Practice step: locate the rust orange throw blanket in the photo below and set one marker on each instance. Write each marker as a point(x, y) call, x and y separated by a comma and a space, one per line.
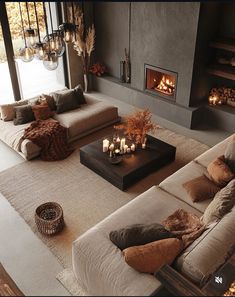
point(184, 225)
point(51, 137)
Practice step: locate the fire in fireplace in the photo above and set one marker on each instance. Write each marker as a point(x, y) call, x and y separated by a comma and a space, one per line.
point(160, 81)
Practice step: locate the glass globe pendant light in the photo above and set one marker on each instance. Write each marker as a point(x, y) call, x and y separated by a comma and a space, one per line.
point(27, 53)
point(67, 28)
point(50, 58)
point(40, 47)
point(30, 34)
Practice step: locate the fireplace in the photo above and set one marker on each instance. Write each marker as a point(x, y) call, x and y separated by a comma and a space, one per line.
point(161, 82)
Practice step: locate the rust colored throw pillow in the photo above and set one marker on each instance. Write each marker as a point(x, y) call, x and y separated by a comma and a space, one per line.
point(220, 172)
point(150, 257)
point(201, 188)
point(42, 111)
point(50, 101)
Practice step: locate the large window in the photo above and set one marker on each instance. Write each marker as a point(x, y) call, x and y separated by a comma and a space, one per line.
point(32, 77)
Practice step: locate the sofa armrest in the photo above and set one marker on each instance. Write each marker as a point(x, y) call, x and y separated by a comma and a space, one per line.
point(176, 283)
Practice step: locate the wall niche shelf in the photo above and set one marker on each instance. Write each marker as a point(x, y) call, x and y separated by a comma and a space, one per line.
point(223, 70)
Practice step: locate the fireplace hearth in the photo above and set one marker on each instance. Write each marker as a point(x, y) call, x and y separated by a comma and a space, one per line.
point(160, 82)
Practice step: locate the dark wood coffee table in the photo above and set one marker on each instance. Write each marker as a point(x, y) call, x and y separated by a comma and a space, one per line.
point(133, 167)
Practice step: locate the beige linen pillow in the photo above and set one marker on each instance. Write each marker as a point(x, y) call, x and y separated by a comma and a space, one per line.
point(152, 256)
point(220, 172)
point(222, 203)
point(7, 111)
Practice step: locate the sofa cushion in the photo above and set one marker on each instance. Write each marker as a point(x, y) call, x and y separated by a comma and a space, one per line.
point(150, 257)
point(229, 155)
point(216, 151)
point(50, 101)
point(93, 251)
point(87, 117)
point(223, 201)
point(138, 234)
point(201, 188)
point(219, 171)
point(79, 95)
point(23, 114)
point(7, 111)
point(65, 101)
point(174, 184)
point(208, 252)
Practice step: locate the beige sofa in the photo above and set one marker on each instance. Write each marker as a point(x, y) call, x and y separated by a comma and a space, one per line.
point(99, 265)
point(82, 121)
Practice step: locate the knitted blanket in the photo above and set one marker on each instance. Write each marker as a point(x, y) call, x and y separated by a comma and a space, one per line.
point(184, 225)
point(51, 137)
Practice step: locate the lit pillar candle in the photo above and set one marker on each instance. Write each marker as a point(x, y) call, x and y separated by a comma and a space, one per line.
point(105, 145)
point(133, 147)
point(128, 150)
point(125, 148)
point(122, 144)
point(111, 147)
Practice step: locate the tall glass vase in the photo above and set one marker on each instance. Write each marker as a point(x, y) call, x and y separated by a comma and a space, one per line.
point(87, 82)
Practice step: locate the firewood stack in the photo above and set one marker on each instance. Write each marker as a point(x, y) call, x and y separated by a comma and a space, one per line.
point(225, 95)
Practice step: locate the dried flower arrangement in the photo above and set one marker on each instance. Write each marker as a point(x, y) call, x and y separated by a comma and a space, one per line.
point(84, 44)
point(137, 125)
point(98, 69)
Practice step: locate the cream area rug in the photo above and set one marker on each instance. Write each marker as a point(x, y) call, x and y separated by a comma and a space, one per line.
point(86, 198)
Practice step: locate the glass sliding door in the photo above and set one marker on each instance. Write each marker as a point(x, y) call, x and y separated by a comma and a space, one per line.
point(6, 92)
point(33, 78)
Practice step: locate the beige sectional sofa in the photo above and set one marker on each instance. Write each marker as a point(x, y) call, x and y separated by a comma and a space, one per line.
point(82, 121)
point(99, 265)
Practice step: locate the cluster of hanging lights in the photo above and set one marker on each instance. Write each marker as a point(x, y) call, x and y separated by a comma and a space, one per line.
point(53, 44)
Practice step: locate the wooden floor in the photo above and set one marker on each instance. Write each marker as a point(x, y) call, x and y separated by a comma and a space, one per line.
point(7, 285)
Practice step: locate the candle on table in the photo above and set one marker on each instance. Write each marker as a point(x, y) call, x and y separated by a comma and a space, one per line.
point(122, 144)
point(125, 148)
point(143, 145)
point(117, 151)
point(111, 147)
point(133, 147)
point(105, 145)
point(118, 139)
point(128, 150)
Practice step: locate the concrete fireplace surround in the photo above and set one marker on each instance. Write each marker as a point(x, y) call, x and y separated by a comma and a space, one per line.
point(173, 36)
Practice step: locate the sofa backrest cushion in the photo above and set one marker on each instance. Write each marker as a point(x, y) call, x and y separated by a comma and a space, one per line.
point(219, 171)
point(42, 111)
point(7, 111)
point(23, 114)
point(138, 234)
point(209, 251)
point(229, 155)
point(222, 203)
point(150, 257)
point(65, 100)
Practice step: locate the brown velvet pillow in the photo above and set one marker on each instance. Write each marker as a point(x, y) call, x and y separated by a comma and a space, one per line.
point(220, 172)
point(150, 257)
point(42, 111)
point(23, 114)
point(201, 188)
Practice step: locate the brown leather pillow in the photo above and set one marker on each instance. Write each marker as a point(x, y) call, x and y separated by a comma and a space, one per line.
point(152, 256)
point(220, 172)
point(201, 188)
point(42, 111)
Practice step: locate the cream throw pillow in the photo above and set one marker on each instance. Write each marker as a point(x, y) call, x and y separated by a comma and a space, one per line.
point(7, 111)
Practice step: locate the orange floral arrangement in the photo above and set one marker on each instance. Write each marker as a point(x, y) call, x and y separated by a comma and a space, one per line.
point(98, 69)
point(137, 125)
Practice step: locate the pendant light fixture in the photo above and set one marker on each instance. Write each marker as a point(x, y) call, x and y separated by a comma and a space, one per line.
point(55, 39)
point(30, 33)
point(67, 28)
point(40, 47)
point(50, 59)
point(27, 53)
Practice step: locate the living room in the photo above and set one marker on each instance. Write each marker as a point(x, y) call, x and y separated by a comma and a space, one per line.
point(117, 169)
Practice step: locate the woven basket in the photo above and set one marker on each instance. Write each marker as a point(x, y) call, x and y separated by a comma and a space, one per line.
point(49, 218)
